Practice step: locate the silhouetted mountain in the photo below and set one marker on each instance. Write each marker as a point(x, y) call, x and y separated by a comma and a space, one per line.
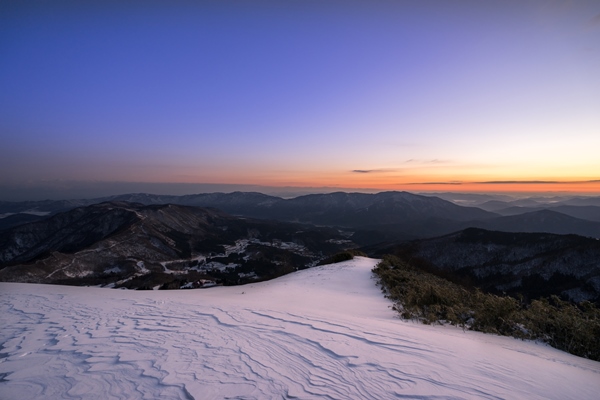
point(335, 209)
point(533, 264)
point(541, 221)
point(242, 203)
point(469, 199)
point(44, 206)
point(582, 201)
point(540, 202)
point(365, 210)
point(495, 205)
point(373, 217)
point(132, 244)
point(18, 219)
point(237, 202)
point(590, 213)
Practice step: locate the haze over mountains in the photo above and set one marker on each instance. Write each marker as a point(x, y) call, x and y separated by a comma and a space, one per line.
point(575, 206)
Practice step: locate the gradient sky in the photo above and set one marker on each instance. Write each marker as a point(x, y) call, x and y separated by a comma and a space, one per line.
point(392, 95)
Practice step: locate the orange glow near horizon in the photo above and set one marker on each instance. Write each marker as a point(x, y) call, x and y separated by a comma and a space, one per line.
point(512, 187)
point(418, 179)
point(311, 96)
point(411, 180)
point(384, 182)
point(516, 187)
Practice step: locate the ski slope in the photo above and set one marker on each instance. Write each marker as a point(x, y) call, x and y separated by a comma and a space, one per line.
point(325, 332)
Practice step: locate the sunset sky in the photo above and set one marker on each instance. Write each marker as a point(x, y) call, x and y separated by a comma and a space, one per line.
point(389, 95)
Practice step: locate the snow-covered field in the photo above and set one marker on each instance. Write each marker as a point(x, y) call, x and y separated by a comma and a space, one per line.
point(325, 332)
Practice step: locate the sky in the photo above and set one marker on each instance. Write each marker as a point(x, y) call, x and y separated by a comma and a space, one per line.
point(484, 96)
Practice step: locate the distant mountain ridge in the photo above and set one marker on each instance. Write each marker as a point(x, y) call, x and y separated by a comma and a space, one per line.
point(590, 213)
point(350, 210)
point(496, 205)
point(125, 243)
point(18, 219)
point(493, 202)
point(339, 208)
point(541, 221)
point(373, 217)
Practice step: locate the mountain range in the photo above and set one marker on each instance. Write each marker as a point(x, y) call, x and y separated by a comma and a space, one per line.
point(149, 241)
point(590, 213)
point(372, 217)
point(138, 246)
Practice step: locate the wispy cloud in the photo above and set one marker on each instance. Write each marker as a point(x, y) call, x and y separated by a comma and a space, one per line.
point(505, 182)
point(436, 183)
point(371, 171)
point(517, 182)
point(534, 182)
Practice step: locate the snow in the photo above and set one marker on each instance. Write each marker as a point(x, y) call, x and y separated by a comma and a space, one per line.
point(241, 245)
point(141, 268)
point(203, 263)
point(325, 332)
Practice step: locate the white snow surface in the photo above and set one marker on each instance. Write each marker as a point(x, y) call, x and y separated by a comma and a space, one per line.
point(326, 332)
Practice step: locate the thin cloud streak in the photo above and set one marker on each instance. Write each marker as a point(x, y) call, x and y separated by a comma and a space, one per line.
point(506, 182)
point(535, 182)
point(371, 171)
point(435, 183)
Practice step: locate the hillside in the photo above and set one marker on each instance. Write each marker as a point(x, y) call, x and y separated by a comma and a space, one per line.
point(325, 332)
point(532, 264)
point(137, 246)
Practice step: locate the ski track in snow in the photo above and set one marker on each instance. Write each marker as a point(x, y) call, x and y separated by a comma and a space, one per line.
point(326, 333)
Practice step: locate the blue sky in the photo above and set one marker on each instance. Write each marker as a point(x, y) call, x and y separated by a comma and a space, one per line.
point(300, 93)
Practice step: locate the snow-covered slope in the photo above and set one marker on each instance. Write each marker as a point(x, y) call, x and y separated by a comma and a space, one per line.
point(326, 332)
